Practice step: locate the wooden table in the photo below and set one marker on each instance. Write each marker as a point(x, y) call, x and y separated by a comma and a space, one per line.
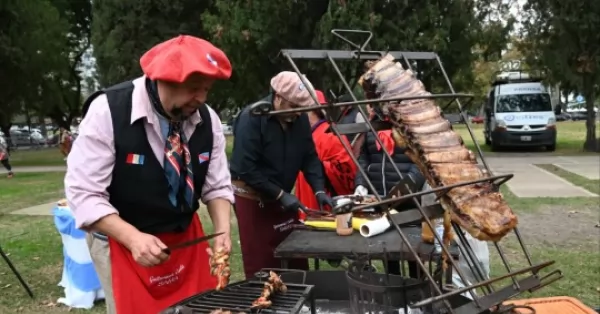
point(328, 245)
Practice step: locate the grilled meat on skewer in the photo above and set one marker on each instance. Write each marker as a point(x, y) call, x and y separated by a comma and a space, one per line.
point(219, 264)
point(220, 311)
point(272, 285)
point(438, 152)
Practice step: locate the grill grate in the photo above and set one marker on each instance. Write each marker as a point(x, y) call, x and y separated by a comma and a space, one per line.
point(238, 297)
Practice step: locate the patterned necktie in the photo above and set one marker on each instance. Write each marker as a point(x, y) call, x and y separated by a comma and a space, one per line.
point(177, 157)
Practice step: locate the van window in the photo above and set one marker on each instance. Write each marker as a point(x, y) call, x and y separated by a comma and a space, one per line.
point(524, 103)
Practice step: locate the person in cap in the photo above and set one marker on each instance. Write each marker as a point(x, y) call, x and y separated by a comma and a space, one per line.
point(338, 167)
point(147, 150)
point(383, 176)
point(268, 153)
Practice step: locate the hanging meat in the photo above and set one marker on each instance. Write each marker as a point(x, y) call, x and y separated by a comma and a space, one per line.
point(273, 285)
point(219, 267)
point(438, 151)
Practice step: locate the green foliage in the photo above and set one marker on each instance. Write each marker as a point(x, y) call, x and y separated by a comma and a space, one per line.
point(564, 38)
point(31, 45)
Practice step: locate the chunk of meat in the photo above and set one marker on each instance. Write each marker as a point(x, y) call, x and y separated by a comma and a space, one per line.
point(438, 152)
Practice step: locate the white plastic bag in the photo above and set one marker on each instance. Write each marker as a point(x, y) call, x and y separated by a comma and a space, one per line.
point(480, 251)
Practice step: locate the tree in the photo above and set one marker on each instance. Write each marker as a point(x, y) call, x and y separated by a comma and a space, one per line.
point(122, 30)
point(66, 85)
point(252, 33)
point(31, 43)
point(564, 38)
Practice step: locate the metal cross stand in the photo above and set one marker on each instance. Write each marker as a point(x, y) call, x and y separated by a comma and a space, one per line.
point(16, 272)
point(493, 291)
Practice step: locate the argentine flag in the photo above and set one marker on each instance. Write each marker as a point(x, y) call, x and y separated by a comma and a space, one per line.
point(79, 278)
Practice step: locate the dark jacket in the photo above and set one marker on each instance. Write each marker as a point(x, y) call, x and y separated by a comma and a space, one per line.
point(268, 158)
point(381, 172)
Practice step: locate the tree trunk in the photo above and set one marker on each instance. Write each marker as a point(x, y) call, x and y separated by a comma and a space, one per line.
point(591, 143)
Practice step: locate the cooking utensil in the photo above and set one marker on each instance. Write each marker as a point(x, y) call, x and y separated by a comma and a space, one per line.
point(191, 242)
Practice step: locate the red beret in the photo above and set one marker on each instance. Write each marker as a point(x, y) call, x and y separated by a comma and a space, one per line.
point(175, 59)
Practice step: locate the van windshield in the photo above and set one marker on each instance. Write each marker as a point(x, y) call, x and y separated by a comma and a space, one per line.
point(523, 103)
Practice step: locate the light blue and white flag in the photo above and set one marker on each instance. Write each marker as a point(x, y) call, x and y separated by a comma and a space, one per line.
point(79, 278)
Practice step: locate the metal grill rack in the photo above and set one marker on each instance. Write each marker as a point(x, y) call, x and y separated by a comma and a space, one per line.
point(490, 295)
point(238, 298)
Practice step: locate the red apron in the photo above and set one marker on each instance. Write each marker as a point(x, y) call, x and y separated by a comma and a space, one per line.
point(149, 290)
point(339, 167)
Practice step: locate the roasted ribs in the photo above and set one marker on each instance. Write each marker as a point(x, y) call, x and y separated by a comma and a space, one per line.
point(219, 267)
point(438, 151)
point(273, 285)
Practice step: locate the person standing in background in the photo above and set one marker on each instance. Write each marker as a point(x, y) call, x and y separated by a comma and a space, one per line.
point(268, 153)
point(383, 176)
point(338, 167)
point(4, 157)
point(64, 141)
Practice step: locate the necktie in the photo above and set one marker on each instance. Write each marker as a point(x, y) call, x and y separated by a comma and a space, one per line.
point(178, 166)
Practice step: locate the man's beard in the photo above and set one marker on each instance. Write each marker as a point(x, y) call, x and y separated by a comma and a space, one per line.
point(178, 114)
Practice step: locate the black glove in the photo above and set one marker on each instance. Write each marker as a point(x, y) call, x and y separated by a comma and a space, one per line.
point(323, 199)
point(290, 203)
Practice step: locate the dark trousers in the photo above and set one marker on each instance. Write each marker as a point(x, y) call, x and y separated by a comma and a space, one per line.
point(6, 165)
point(262, 229)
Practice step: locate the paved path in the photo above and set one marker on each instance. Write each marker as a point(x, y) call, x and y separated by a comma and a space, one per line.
point(585, 166)
point(532, 181)
point(37, 210)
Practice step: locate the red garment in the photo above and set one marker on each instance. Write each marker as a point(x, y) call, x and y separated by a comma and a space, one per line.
point(339, 168)
point(177, 58)
point(149, 290)
point(262, 229)
point(387, 140)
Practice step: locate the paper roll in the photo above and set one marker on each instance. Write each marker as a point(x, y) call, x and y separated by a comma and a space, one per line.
point(374, 227)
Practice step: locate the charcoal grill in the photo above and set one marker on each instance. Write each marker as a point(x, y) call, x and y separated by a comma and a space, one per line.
point(494, 291)
point(238, 297)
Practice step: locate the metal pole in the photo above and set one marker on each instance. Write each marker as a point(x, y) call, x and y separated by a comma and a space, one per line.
point(16, 272)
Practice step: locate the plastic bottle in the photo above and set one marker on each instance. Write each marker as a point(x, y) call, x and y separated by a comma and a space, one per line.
point(438, 225)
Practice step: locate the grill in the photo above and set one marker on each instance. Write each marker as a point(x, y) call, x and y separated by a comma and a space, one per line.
point(238, 297)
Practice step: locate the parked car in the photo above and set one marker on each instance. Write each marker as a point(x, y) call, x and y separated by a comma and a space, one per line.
point(563, 117)
point(578, 115)
point(25, 138)
point(477, 120)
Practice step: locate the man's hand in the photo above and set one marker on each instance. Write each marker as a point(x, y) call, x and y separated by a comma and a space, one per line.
point(147, 250)
point(361, 190)
point(290, 203)
point(222, 241)
point(323, 199)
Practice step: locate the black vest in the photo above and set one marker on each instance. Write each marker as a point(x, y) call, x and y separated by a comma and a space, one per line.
point(139, 190)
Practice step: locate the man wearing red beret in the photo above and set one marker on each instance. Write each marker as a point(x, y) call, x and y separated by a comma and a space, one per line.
point(339, 169)
point(268, 153)
point(147, 150)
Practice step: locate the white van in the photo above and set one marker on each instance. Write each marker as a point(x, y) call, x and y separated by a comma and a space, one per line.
point(519, 112)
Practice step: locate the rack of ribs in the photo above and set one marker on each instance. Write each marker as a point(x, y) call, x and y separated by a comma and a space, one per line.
point(438, 151)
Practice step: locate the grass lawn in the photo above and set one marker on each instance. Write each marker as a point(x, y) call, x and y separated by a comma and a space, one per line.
point(50, 156)
point(559, 229)
point(570, 137)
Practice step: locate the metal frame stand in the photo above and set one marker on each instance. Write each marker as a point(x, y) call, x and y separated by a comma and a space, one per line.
point(492, 296)
point(16, 272)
